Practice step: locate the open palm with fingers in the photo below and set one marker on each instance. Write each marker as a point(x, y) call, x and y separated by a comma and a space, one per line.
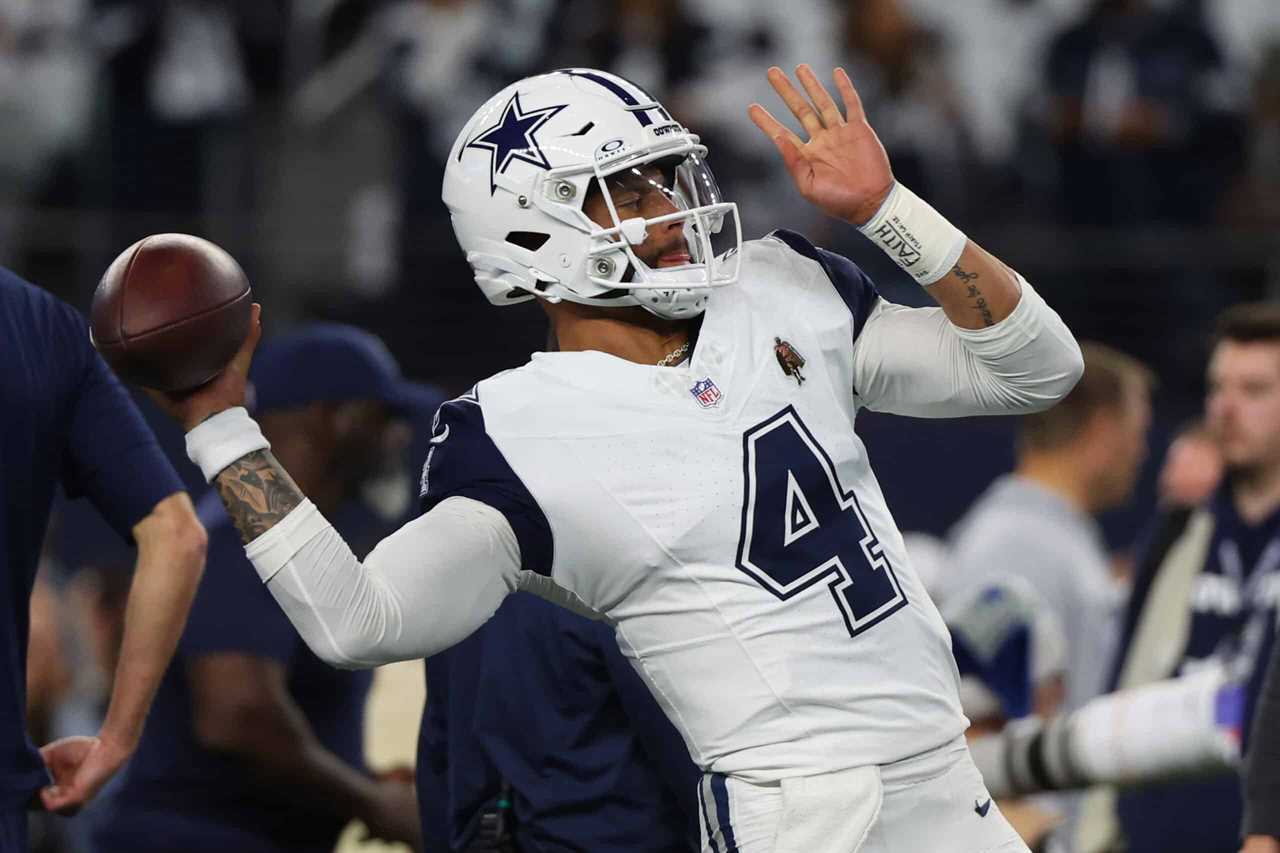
point(842, 168)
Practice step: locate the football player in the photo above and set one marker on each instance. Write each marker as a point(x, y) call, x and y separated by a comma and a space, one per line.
point(669, 471)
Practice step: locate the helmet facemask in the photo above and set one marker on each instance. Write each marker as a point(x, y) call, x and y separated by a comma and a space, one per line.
point(643, 193)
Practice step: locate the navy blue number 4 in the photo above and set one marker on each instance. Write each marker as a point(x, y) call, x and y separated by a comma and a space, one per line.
point(801, 527)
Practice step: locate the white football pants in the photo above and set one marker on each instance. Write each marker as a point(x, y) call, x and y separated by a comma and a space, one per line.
point(931, 803)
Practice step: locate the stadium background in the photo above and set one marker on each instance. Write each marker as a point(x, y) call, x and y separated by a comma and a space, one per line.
point(1131, 172)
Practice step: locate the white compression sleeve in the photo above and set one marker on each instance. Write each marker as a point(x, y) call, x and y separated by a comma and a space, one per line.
point(914, 361)
point(424, 588)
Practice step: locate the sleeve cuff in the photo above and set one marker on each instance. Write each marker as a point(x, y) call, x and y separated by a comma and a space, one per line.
point(272, 550)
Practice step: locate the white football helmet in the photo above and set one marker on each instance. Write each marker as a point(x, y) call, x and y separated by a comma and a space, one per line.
point(522, 167)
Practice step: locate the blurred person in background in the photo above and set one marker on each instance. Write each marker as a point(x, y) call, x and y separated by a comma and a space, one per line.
point(1207, 597)
point(906, 92)
point(1140, 116)
point(1191, 472)
point(1255, 197)
point(658, 44)
point(47, 101)
point(66, 419)
point(184, 81)
point(540, 736)
point(1261, 827)
point(1075, 460)
point(741, 36)
point(1030, 552)
point(991, 53)
point(1192, 468)
point(1244, 28)
point(418, 67)
point(254, 744)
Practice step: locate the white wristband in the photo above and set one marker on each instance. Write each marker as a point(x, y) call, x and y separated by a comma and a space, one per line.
point(222, 439)
point(915, 236)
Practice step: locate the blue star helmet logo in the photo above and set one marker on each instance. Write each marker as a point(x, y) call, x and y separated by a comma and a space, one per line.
point(512, 138)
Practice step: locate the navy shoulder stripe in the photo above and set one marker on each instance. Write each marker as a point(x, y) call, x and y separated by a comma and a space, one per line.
point(464, 462)
point(853, 285)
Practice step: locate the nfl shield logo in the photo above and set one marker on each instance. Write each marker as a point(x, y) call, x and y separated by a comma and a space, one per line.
point(706, 393)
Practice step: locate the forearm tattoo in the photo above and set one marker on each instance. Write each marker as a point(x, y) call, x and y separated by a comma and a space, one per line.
point(257, 492)
point(979, 301)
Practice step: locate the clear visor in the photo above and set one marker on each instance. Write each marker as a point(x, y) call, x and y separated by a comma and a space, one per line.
point(671, 221)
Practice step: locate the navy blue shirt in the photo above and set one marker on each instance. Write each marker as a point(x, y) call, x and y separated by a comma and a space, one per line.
point(1233, 616)
point(542, 698)
point(177, 795)
point(64, 419)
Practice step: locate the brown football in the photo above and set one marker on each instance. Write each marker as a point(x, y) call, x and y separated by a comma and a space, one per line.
point(171, 311)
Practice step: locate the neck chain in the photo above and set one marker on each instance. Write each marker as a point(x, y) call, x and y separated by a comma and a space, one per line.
point(675, 356)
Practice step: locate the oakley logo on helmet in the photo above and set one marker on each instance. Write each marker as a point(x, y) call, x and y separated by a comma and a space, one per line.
point(512, 138)
point(612, 148)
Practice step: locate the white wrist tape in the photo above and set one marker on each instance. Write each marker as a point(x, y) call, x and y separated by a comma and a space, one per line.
point(915, 236)
point(222, 439)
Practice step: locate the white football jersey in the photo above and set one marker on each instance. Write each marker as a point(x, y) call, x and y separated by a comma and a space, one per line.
point(724, 516)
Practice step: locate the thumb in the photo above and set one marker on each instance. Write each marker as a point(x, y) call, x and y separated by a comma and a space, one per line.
point(64, 799)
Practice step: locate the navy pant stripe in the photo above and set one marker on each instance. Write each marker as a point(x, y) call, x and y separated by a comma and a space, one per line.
point(721, 793)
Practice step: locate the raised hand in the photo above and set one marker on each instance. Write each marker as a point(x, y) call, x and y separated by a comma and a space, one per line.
point(842, 169)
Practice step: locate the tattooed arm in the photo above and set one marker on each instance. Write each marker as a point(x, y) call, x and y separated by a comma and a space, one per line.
point(257, 493)
point(422, 589)
point(979, 291)
point(990, 349)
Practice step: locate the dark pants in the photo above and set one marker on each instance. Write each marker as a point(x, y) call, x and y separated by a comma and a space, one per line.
point(13, 831)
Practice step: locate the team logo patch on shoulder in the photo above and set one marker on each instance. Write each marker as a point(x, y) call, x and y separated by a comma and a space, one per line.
point(706, 393)
point(789, 359)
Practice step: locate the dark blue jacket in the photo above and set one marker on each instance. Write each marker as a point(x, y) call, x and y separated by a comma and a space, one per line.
point(543, 698)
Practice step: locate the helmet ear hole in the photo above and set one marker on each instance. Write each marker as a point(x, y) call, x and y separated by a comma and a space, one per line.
point(531, 240)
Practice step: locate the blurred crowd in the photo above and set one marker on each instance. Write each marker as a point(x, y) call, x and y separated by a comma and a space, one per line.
point(1123, 154)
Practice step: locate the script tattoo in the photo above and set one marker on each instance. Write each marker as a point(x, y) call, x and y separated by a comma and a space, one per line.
point(979, 301)
point(257, 492)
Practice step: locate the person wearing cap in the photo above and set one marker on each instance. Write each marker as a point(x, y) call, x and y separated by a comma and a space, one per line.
point(254, 744)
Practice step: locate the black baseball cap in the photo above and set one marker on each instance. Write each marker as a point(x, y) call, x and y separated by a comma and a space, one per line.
point(333, 362)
